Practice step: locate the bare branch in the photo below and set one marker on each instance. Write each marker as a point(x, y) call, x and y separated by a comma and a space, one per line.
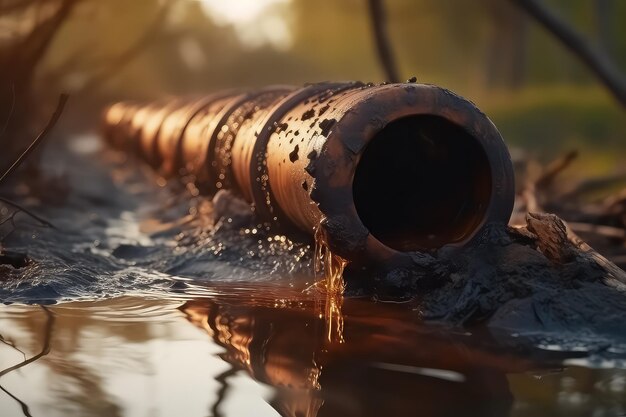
point(594, 58)
point(554, 169)
point(381, 37)
point(27, 212)
point(53, 120)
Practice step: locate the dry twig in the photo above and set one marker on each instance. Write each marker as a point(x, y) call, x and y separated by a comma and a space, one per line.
point(35, 143)
point(27, 212)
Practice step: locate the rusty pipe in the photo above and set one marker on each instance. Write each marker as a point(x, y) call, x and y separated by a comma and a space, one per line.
point(383, 170)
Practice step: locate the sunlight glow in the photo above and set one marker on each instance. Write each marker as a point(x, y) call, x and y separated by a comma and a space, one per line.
point(256, 22)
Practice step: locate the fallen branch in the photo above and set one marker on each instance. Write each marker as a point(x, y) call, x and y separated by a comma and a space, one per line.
point(554, 169)
point(558, 242)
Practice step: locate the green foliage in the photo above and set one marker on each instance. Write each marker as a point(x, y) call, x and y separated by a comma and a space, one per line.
point(549, 122)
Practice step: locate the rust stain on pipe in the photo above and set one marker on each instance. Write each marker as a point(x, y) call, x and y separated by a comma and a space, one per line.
point(382, 169)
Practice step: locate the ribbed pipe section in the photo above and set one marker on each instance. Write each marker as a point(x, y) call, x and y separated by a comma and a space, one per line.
point(382, 169)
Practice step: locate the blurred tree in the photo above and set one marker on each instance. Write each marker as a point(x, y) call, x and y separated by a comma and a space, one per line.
point(29, 28)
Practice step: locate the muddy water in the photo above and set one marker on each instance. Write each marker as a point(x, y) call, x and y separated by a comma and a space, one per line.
point(240, 354)
point(138, 305)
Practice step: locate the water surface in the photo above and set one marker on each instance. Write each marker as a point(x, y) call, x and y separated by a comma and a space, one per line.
point(141, 303)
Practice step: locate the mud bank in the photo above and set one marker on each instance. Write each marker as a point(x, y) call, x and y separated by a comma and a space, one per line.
point(530, 280)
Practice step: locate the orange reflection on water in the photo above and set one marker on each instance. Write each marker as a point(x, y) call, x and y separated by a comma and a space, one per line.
point(135, 357)
point(385, 365)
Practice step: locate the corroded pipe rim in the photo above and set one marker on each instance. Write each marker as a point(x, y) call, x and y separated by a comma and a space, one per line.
point(334, 168)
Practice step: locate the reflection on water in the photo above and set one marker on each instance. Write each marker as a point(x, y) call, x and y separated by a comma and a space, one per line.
point(241, 352)
point(103, 361)
point(384, 367)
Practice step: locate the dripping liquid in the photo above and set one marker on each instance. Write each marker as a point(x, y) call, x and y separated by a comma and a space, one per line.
point(332, 286)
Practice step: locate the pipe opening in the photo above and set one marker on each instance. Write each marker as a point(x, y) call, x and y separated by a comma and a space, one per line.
point(422, 182)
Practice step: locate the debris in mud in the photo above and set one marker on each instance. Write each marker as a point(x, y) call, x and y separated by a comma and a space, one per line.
point(532, 278)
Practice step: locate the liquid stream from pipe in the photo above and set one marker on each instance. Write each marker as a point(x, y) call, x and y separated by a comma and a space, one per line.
point(332, 286)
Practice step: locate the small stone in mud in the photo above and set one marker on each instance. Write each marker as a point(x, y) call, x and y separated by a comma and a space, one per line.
point(293, 156)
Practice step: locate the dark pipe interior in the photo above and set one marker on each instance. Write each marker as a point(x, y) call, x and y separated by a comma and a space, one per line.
point(422, 182)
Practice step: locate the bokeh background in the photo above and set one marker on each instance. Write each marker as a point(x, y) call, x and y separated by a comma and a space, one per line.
point(541, 97)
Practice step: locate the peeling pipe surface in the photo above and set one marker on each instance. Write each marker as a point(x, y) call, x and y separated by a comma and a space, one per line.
point(383, 170)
